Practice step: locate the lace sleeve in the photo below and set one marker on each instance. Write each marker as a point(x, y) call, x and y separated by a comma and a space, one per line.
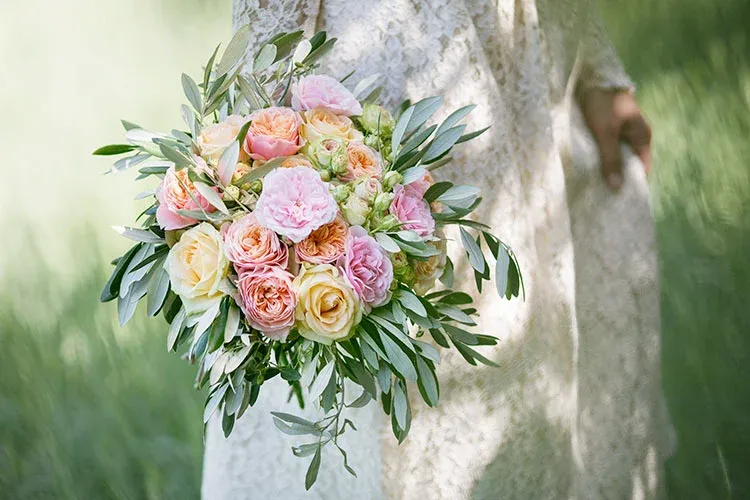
point(601, 67)
point(270, 17)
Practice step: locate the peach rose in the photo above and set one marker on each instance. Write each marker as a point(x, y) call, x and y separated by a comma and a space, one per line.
point(296, 161)
point(268, 301)
point(177, 192)
point(324, 245)
point(273, 132)
point(249, 245)
point(214, 139)
point(319, 122)
point(363, 161)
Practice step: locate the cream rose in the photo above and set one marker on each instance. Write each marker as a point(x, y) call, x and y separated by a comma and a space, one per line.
point(197, 267)
point(214, 139)
point(328, 308)
point(319, 123)
point(428, 271)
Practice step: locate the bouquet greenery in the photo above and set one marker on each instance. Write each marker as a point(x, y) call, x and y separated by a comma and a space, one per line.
point(296, 231)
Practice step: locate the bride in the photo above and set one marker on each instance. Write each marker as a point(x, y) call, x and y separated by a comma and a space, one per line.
point(576, 411)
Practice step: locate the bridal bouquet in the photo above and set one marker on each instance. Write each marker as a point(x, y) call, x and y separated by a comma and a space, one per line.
point(296, 231)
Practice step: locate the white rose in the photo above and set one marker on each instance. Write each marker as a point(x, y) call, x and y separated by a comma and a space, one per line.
point(367, 188)
point(197, 267)
point(214, 139)
point(355, 210)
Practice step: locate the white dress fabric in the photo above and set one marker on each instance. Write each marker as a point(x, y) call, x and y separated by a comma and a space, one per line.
point(576, 409)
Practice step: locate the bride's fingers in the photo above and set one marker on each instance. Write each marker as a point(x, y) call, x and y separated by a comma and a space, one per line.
point(611, 156)
point(637, 133)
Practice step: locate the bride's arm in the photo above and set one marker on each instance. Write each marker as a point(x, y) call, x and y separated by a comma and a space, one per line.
point(269, 17)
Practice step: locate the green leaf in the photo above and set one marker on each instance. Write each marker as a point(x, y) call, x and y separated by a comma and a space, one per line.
point(228, 163)
point(413, 174)
point(456, 299)
point(219, 324)
point(235, 51)
point(312, 470)
point(416, 140)
point(411, 302)
point(127, 304)
point(302, 51)
point(502, 268)
point(157, 291)
point(442, 143)
point(293, 419)
point(180, 159)
point(472, 135)
point(423, 110)
point(361, 401)
point(476, 259)
point(211, 196)
point(459, 193)
point(455, 314)
point(234, 399)
point(111, 289)
point(427, 383)
point(290, 374)
point(363, 378)
point(398, 358)
point(388, 244)
point(285, 42)
point(400, 128)
point(233, 322)
point(436, 190)
point(213, 402)
point(265, 58)
point(455, 117)
point(319, 52)
point(458, 335)
point(188, 116)
point(400, 404)
point(136, 234)
point(113, 149)
point(322, 380)
point(209, 67)
point(305, 450)
point(192, 92)
point(175, 328)
point(131, 276)
point(129, 125)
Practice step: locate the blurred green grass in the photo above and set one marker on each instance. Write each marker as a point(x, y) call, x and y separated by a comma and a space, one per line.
point(92, 410)
point(691, 61)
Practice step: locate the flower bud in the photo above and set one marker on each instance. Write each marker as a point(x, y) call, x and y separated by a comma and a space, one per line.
point(325, 175)
point(338, 162)
point(391, 179)
point(256, 186)
point(355, 211)
point(367, 188)
point(382, 202)
point(231, 193)
point(327, 150)
point(402, 271)
point(376, 119)
point(341, 193)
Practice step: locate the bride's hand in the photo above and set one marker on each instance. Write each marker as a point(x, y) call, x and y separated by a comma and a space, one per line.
point(614, 116)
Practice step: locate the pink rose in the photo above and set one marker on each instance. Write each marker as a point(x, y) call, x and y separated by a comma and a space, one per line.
point(173, 196)
point(412, 211)
point(322, 91)
point(295, 202)
point(362, 161)
point(367, 267)
point(249, 245)
point(420, 186)
point(268, 300)
point(273, 132)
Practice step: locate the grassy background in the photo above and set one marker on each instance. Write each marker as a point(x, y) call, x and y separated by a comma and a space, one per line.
point(92, 410)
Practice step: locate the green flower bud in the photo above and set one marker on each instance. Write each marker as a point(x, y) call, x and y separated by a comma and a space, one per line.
point(376, 119)
point(341, 193)
point(355, 211)
point(327, 152)
point(325, 175)
point(402, 271)
point(339, 160)
point(231, 193)
point(256, 186)
point(391, 179)
point(382, 202)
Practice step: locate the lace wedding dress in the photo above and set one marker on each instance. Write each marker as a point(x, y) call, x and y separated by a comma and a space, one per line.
point(576, 410)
